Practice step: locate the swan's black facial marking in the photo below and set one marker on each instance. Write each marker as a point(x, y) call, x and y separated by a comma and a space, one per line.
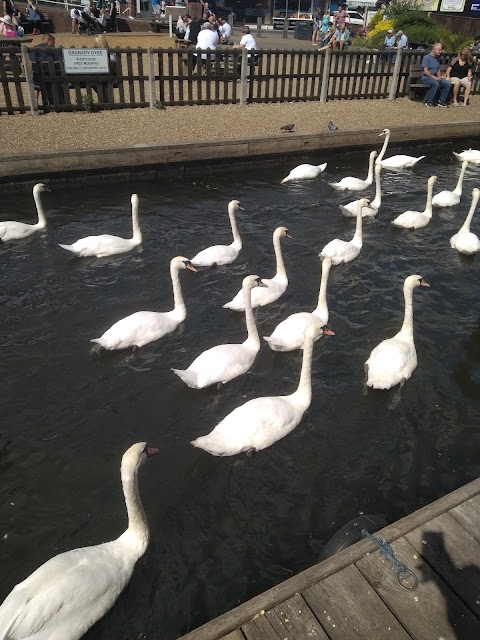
point(189, 265)
point(287, 234)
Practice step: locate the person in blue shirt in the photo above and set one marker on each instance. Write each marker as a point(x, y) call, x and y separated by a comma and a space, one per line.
point(389, 40)
point(431, 77)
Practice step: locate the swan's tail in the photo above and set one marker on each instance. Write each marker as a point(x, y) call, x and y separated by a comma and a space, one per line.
point(457, 155)
point(322, 167)
point(287, 179)
point(420, 158)
point(67, 247)
point(189, 377)
point(215, 445)
point(335, 185)
point(346, 212)
point(275, 344)
point(95, 350)
point(233, 306)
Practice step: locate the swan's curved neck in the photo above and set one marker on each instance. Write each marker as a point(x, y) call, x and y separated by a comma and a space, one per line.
point(384, 148)
point(277, 245)
point(407, 326)
point(303, 395)
point(371, 164)
point(468, 219)
point(322, 307)
point(137, 535)
point(252, 331)
point(137, 234)
point(42, 222)
point(377, 201)
point(177, 291)
point(428, 207)
point(357, 238)
point(458, 189)
point(237, 241)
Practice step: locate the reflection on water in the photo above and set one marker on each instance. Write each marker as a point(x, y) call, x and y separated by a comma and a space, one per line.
point(226, 529)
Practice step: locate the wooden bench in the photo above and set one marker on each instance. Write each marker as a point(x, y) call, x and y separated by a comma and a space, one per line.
point(180, 43)
point(157, 26)
point(415, 87)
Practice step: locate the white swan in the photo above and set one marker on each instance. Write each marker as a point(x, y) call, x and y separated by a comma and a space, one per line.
point(143, 327)
point(222, 253)
point(275, 287)
point(471, 155)
point(225, 362)
point(290, 333)
point(107, 245)
point(417, 219)
point(305, 172)
point(260, 422)
point(451, 198)
point(395, 162)
point(465, 241)
point(11, 230)
point(394, 360)
point(355, 184)
point(64, 597)
point(341, 251)
point(350, 210)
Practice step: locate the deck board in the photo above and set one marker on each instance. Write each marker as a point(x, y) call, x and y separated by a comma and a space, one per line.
point(468, 515)
point(294, 619)
point(234, 635)
point(260, 629)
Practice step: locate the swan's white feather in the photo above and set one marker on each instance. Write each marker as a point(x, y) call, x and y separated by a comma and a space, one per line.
point(445, 199)
point(221, 363)
point(351, 184)
point(305, 172)
point(392, 361)
point(350, 210)
point(465, 242)
point(340, 251)
point(260, 296)
point(11, 230)
point(400, 162)
point(138, 329)
point(472, 155)
point(290, 333)
point(411, 220)
point(99, 246)
point(219, 254)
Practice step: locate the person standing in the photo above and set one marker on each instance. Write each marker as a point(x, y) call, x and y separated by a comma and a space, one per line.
point(431, 77)
point(460, 74)
point(316, 26)
point(341, 16)
point(112, 15)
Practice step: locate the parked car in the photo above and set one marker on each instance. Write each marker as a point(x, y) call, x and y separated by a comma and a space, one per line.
point(355, 17)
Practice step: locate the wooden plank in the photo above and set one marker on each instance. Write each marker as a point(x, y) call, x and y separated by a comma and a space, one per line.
point(453, 553)
point(235, 635)
point(294, 618)
point(348, 607)
point(431, 610)
point(468, 515)
point(260, 629)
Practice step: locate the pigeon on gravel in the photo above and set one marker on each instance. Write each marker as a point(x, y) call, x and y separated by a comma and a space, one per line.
point(332, 126)
point(287, 128)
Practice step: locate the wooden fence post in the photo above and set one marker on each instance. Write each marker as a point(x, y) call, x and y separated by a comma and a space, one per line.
point(243, 78)
point(325, 76)
point(259, 27)
point(27, 65)
point(395, 76)
point(151, 78)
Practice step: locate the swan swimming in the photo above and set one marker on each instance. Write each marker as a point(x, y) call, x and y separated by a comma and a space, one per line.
point(350, 210)
point(107, 245)
point(417, 219)
point(260, 422)
point(355, 184)
point(451, 198)
point(341, 251)
point(221, 253)
point(394, 360)
point(225, 362)
point(290, 333)
point(395, 162)
point(143, 327)
point(11, 230)
point(64, 597)
point(471, 155)
point(275, 287)
point(465, 241)
point(305, 172)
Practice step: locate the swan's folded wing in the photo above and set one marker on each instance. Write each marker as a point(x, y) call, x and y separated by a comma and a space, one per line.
point(335, 248)
point(217, 254)
point(391, 355)
point(222, 363)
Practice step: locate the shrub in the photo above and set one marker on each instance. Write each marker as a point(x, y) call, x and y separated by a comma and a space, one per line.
point(376, 19)
point(359, 42)
point(397, 7)
point(464, 44)
point(384, 25)
point(412, 18)
point(377, 41)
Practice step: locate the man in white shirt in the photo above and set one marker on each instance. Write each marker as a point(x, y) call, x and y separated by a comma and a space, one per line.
point(248, 41)
point(402, 42)
point(207, 39)
point(224, 29)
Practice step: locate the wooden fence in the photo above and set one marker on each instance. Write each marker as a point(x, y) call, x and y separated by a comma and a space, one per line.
point(35, 79)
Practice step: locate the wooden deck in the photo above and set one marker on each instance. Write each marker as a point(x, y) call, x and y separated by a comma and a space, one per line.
point(355, 594)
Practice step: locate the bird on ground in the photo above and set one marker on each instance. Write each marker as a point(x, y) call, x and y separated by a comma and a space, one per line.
point(341, 251)
point(222, 254)
point(417, 219)
point(394, 360)
point(107, 245)
point(275, 286)
point(142, 327)
point(225, 362)
point(350, 210)
point(305, 172)
point(11, 230)
point(395, 162)
point(355, 184)
point(260, 422)
point(290, 333)
point(465, 241)
point(451, 198)
point(471, 155)
point(332, 126)
point(64, 597)
point(287, 128)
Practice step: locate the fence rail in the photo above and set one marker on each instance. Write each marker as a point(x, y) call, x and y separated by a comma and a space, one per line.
point(34, 79)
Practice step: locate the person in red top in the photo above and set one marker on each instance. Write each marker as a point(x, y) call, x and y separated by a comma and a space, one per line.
point(341, 16)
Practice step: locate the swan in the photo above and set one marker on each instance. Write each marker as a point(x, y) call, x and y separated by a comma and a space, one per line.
point(451, 198)
point(221, 253)
point(11, 230)
point(341, 251)
point(143, 327)
point(275, 287)
point(471, 155)
point(107, 245)
point(394, 360)
point(260, 422)
point(290, 333)
point(417, 219)
point(225, 362)
point(350, 210)
point(355, 184)
point(465, 241)
point(64, 597)
point(395, 162)
point(305, 172)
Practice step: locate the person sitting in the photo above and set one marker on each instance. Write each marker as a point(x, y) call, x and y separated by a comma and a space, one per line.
point(328, 39)
point(224, 30)
point(431, 76)
point(247, 41)
point(475, 46)
point(402, 42)
point(341, 38)
point(181, 27)
point(8, 27)
point(460, 74)
point(207, 39)
point(389, 42)
point(193, 29)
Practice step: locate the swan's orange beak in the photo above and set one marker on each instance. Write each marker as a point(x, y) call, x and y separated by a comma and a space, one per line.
point(423, 283)
point(190, 267)
point(287, 235)
point(151, 451)
point(327, 331)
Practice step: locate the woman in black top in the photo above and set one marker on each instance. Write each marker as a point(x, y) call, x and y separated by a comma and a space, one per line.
point(460, 72)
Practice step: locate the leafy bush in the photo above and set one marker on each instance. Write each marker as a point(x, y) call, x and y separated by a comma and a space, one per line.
point(361, 43)
point(375, 20)
point(412, 18)
point(397, 7)
point(377, 41)
point(384, 25)
point(463, 44)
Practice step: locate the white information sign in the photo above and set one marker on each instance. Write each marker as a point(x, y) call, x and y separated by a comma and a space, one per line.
point(86, 60)
point(453, 5)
